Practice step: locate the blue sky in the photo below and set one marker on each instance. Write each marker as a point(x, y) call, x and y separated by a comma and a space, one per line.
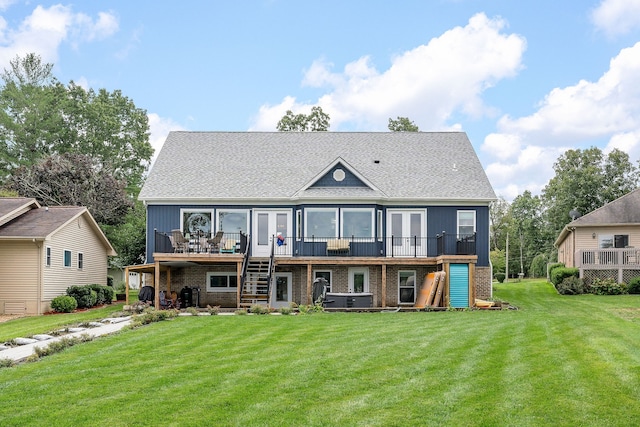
point(526, 80)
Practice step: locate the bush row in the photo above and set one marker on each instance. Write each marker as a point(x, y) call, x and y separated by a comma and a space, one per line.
point(573, 285)
point(84, 296)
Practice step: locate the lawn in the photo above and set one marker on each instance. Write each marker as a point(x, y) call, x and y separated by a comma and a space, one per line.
point(557, 361)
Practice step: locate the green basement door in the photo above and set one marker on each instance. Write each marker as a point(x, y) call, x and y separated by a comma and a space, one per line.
point(459, 285)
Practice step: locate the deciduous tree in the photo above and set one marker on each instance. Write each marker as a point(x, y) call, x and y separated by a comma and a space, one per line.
point(402, 124)
point(316, 121)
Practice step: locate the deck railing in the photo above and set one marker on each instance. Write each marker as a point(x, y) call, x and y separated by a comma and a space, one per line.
point(393, 246)
point(608, 258)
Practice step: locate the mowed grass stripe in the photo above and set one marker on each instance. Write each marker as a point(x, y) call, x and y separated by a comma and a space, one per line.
point(556, 361)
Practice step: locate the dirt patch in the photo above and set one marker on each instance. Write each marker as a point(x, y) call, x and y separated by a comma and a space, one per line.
point(6, 317)
point(629, 313)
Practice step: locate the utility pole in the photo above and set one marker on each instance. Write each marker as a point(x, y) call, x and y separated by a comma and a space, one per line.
point(506, 266)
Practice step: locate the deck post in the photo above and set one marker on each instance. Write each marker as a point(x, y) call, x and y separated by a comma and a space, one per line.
point(383, 303)
point(239, 282)
point(157, 284)
point(309, 283)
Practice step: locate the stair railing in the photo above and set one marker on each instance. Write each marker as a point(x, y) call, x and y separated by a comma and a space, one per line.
point(245, 262)
point(272, 267)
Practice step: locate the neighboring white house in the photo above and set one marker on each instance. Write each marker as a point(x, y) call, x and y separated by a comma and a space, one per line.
point(44, 250)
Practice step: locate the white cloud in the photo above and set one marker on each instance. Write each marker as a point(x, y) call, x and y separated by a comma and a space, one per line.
point(427, 84)
point(45, 29)
point(604, 113)
point(159, 128)
point(616, 17)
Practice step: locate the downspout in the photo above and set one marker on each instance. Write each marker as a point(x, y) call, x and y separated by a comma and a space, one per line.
point(40, 277)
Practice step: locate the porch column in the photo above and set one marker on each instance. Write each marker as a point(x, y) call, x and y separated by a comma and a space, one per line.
point(156, 285)
point(238, 281)
point(384, 286)
point(309, 283)
point(126, 285)
point(169, 282)
point(472, 285)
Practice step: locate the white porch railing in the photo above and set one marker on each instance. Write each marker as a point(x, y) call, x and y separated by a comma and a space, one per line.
point(608, 258)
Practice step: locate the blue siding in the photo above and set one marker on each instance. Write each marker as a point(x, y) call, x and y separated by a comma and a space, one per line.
point(350, 180)
point(459, 285)
point(439, 218)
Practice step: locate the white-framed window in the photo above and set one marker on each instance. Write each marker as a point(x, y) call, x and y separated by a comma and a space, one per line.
point(47, 261)
point(406, 286)
point(233, 220)
point(466, 223)
point(67, 258)
point(380, 232)
point(222, 281)
point(357, 223)
point(321, 223)
point(193, 221)
point(358, 279)
point(299, 225)
point(80, 260)
point(326, 275)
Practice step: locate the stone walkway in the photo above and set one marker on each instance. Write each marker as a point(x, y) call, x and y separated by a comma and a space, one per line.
point(21, 352)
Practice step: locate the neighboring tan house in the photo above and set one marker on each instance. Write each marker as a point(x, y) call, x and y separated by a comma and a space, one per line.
point(237, 218)
point(44, 250)
point(604, 243)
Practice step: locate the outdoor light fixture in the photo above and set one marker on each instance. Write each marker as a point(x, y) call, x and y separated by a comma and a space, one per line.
point(593, 235)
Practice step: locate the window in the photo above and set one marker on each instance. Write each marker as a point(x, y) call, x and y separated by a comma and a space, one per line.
point(326, 275)
point(321, 223)
point(606, 241)
point(298, 224)
point(406, 287)
point(233, 220)
point(48, 257)
point(67, 258)
point(196, 221)
point(359, 279)
point(357, 223)
point(80, 260)
point(466, 223)
point(222, 281)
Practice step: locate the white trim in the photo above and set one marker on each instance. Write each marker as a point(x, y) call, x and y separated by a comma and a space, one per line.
point(64, 251)
point(324, 271)
point(228, 274)
point(299, 230)
point(358, 270)
point(308, 235)
point(475, 222)
point(371, 211)
point(196, 210)
point(326, 170)
point(415, 288)
point(245, 211)
point(380, 227)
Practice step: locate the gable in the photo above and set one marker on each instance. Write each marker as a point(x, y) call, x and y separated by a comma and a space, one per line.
point(338, 176)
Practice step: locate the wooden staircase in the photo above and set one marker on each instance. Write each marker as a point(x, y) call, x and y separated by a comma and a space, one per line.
point(255, 288)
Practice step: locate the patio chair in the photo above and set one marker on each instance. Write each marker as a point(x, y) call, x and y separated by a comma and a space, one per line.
point(229, 247)
point(214, 243)
point(179, 242)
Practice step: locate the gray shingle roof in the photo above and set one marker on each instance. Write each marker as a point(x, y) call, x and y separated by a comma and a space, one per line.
point(40, 223)
point(262, 166)
point(623, 210)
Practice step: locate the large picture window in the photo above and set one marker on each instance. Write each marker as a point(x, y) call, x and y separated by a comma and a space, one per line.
point(222, 281)
point(357, 223)
point(196, 221)
point(321, 223)
point(233, 220)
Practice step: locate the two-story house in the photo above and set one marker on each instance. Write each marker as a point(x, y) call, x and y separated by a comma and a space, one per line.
point(238, 218)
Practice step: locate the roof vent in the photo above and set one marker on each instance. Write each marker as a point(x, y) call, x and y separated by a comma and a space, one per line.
point(376, 161)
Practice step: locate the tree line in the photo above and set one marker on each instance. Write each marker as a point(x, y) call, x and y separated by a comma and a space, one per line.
point(584, 181)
